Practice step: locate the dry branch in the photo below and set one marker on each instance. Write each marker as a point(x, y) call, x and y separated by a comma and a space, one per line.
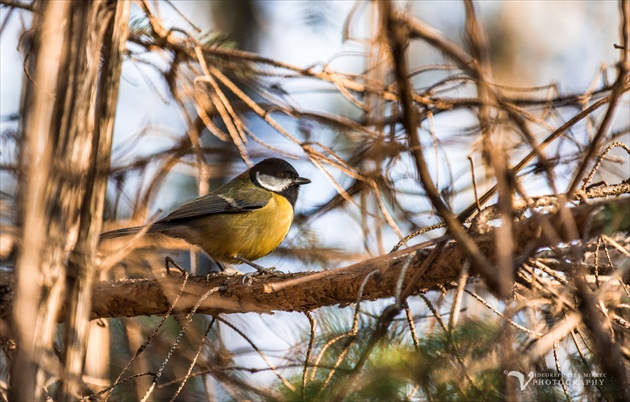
point(67, 122)
point(307, 291)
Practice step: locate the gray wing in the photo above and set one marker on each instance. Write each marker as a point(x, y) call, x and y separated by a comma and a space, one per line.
point(211, 204)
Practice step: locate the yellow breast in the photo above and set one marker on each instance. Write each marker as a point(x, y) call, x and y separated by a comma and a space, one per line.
point(250, 235)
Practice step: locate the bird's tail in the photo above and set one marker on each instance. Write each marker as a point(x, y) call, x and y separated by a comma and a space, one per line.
point(120, 232)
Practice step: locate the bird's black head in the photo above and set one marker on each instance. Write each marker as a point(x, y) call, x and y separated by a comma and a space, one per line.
point(279, 176)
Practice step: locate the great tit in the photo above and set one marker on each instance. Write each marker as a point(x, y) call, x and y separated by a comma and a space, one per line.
point(239, 222)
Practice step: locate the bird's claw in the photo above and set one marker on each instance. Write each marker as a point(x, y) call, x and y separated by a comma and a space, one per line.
point(218, 274)
point(264, 271)
point(248, 278)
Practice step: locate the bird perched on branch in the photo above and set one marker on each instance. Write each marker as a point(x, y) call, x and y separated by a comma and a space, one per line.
point(239, 222)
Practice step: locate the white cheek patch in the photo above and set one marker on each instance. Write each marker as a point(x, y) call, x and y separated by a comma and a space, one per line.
point(271, 183)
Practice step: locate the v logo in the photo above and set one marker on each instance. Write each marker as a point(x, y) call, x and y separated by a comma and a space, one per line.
point(521, 378)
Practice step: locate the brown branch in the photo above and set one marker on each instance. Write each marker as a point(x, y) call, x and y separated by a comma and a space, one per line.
point(17, 4)
point(103, 80)
point(398, 41)
point(67, 122)
point(621, 86)
point(36, 302)
point(607, 351)
point(307, 291)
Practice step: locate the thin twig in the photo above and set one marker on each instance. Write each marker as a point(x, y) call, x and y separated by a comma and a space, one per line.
point(194, 360)
point(309, 351)
point(500, 314)
point(412, 327)
point(155, 331)
point(260, 353)
point(177, 340)
point(457, 299)
point(557, 361)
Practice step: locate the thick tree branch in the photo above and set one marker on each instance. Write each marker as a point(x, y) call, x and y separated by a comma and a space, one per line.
point(307, 291)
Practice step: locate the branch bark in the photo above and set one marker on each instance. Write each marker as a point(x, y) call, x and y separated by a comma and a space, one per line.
point(68, 107)
point(307, 291)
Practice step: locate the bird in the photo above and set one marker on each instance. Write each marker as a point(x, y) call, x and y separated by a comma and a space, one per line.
point(239, 222)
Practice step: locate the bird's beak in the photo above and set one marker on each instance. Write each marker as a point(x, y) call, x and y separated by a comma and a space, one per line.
point(300, 180)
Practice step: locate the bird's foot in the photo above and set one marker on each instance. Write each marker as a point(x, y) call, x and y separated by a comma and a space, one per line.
point(260, 270)
point(216, 274)
point(225, 273)
point(249, 278)
point(265, 271)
